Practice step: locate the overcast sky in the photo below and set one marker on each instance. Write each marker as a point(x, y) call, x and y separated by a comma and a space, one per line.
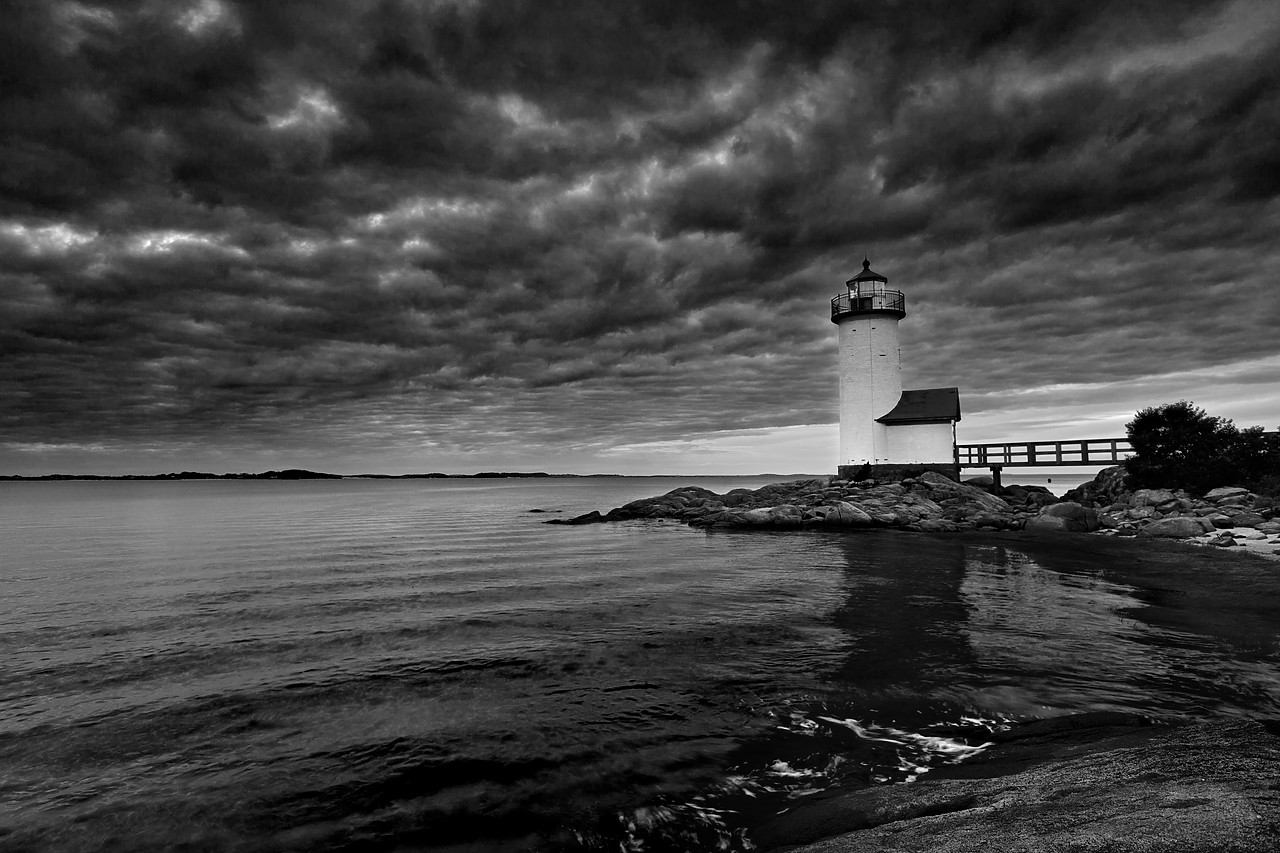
point(461, 235)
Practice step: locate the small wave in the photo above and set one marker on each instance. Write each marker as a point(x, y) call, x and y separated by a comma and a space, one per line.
point(922, 751)
point(670, 827)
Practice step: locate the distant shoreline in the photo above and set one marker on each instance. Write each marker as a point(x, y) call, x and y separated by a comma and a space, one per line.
point(297, 474)
point(301, 474)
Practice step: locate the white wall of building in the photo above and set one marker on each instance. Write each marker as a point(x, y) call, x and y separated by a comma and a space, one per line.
point(870, 385)
point(921, 443)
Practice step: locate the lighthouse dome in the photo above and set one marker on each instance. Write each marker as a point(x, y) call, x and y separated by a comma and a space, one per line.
point(867, 274)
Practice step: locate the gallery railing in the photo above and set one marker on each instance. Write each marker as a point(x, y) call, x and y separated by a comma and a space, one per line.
point(877, 302)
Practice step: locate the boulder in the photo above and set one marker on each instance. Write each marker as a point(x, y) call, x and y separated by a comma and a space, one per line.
point(1269, 527)
point(787, 515)
point(1108, 487)
point(1152, 497)
point(1177, 528)
point(1220, 520)
point(933, 478)
point(1067, 516)
point(848, 514)
point(1246, 519)
point(1051, 524)
point(1225, 492)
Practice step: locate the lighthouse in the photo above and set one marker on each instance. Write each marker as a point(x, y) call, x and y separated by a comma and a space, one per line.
point(881, 426)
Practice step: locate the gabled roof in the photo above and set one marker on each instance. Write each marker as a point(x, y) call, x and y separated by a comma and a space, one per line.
point(925, 406)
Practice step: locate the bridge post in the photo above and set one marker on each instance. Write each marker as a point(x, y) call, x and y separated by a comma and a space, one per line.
point(995, 476)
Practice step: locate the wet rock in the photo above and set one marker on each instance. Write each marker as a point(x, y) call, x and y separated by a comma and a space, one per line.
point(935, 525)
point(593, 517)
point(1204, 787)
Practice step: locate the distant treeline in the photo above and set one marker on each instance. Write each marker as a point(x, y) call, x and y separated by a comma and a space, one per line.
point(288, 474)
point(295, 474)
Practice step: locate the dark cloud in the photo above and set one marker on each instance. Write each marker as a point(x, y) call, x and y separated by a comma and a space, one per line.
point(536, 230)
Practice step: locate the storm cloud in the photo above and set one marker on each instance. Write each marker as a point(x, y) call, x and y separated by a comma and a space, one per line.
point(446, 235)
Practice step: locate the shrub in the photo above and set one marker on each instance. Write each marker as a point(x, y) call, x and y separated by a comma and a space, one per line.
point(1180, 446)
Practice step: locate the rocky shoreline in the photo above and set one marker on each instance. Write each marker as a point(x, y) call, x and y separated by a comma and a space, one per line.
point(1090, 782)
point(1087, 783)
point(933, 503)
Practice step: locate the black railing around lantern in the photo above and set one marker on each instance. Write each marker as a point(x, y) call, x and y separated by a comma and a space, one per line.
point(854, 303)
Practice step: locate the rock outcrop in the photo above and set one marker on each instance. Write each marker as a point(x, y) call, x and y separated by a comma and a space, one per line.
point(934, 503)
point(1088, 784)
point(930, 502)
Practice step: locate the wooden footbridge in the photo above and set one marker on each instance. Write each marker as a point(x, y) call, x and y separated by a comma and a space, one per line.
point(1040, 454)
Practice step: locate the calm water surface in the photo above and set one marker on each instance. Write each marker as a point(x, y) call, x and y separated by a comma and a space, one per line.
point(401, 665)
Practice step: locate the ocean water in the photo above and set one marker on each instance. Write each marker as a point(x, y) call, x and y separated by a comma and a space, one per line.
point(425, 665)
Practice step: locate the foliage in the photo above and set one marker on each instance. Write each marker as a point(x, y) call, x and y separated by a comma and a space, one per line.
point(1180, 446)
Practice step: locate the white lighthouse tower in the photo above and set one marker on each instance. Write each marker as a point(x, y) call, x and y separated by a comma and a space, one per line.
point(880, 425)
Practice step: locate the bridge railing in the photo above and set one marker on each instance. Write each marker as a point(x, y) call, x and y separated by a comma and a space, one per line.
point(1026, 454)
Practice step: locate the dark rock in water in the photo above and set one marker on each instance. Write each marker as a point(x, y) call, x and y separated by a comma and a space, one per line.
point(1087, 784)
point(593, 517)
point(546, 510)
